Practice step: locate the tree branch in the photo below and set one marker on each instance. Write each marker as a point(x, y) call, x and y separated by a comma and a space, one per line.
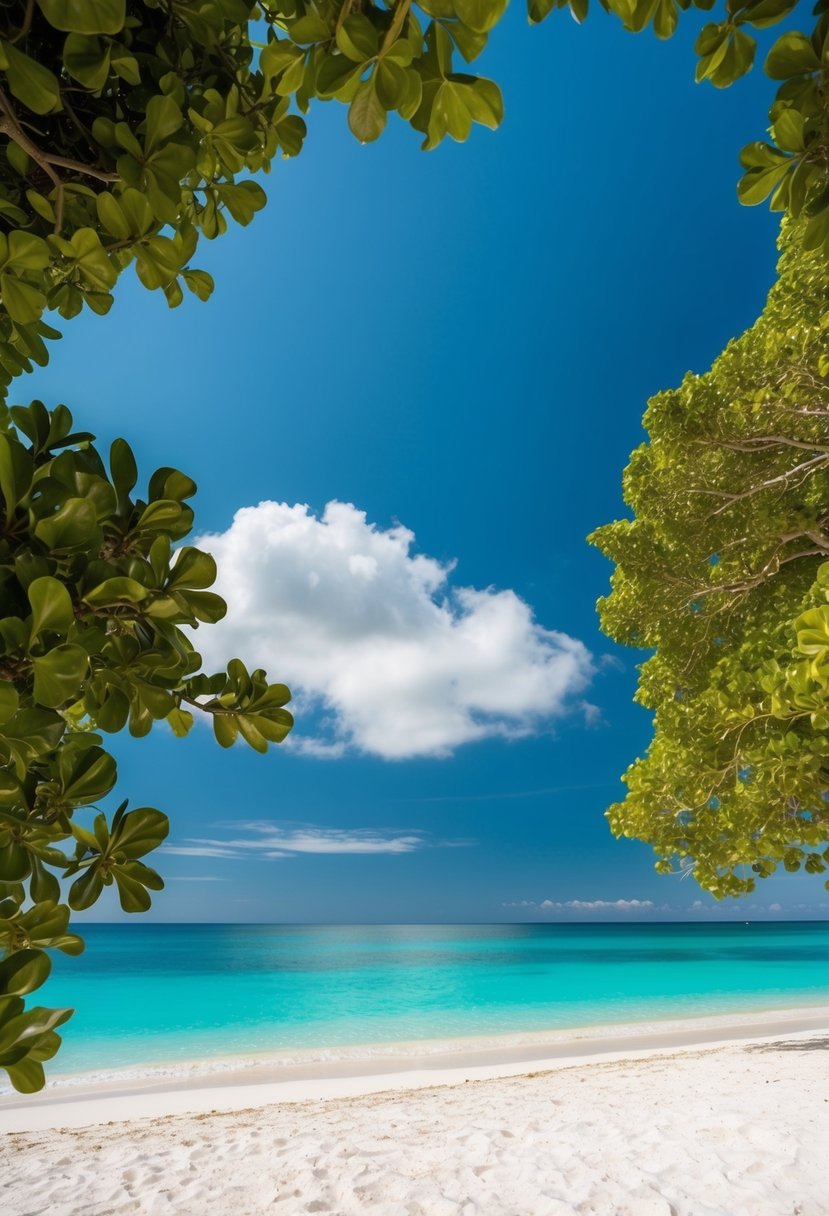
point(771, 568)
point(27, 23)
point(46, 161)
point(780, 479)
point(11, 127)
point(762, 443)
point(394, 29)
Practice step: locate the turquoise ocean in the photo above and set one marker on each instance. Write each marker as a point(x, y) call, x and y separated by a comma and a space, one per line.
point(151, 993)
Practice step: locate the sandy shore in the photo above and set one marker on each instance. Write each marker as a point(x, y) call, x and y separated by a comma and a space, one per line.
point(732, 1123)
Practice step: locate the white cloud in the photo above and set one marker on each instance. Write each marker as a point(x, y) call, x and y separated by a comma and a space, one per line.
point(193, 878)
point(775, 908)
point(400, 663)
point(585, 905)
point(270, 841)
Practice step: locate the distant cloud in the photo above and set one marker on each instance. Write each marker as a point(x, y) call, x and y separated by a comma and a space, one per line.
point(598, 905)
point(194, 878)
point(585, 905)
point(775, 908)
point(399, 662)
point(270, 841)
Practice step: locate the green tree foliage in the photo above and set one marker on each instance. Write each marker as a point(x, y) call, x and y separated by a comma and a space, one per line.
point(133, 128)
point(94, 599)
point(724, 572)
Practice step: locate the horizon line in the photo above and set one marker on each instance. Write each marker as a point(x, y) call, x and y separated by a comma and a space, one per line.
point(368, 924)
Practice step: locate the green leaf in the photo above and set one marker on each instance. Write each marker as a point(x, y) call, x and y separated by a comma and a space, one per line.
point(665, 19)
point(791, 55)
point(15, 863)
point(763, 13)
point(73, 526)
point(28, 252)
point(122, 462)
point(86, 890)
point(26, 1075)
point(92, 259)
point(140, 831)
point(30, 82)
point(118, 590)
point(248, 728)
point(391, 84)
point(200, 283)
point(788, 131)
point(181, 722)
point(738, 59)
point(137, 212)
point(52, 609)
point(159, 516)
point(87, 60)
point(43, 884)
point(9, 700)
point(85, 16)
point(163, 119)
point(469, 42)
point(758, 182)
point(484, 101)
point(23, 972)
point(225, 728)
point(112, 714)
point(23, 302)
point(480, 14)
point(59, 675)
point(538, 10)
point(15, 472)
point(366, 115)
point(309, 29)
point(358, 39)
point(193, 569)
point(167, 483)
point(132, 894)
point(90, 777)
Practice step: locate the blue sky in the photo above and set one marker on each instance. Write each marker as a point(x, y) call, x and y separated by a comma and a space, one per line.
point(460, 344)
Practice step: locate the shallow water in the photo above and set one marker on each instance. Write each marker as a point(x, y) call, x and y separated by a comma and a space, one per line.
point(145, 993)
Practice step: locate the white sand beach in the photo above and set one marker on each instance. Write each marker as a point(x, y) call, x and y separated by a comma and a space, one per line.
point(717, 1117)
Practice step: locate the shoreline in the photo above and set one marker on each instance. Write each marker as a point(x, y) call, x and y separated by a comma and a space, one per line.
point(238, 1083)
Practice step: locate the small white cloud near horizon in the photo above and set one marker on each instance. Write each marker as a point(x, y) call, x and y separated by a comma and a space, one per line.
point(400, 663)
point(270, 841)
point(585, 905)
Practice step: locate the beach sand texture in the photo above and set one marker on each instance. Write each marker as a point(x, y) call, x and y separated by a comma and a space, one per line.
point(735, 1130)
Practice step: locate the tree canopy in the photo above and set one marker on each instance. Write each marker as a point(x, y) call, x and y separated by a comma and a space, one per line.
point(724, 572)
point(94, 600)
point(133, 129)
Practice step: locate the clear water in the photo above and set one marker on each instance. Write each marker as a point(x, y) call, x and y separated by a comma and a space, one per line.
point(146, 993)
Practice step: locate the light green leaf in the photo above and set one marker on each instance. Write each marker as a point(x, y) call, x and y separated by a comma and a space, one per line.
point(9, 701)
point(87, 60)
point(480, 15)
point(118, 590)
point(358, 39)
point(85, 16)
point(791, 55)
point(30, 82)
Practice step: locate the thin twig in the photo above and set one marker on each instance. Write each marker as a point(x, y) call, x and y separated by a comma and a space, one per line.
point(27, 23)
